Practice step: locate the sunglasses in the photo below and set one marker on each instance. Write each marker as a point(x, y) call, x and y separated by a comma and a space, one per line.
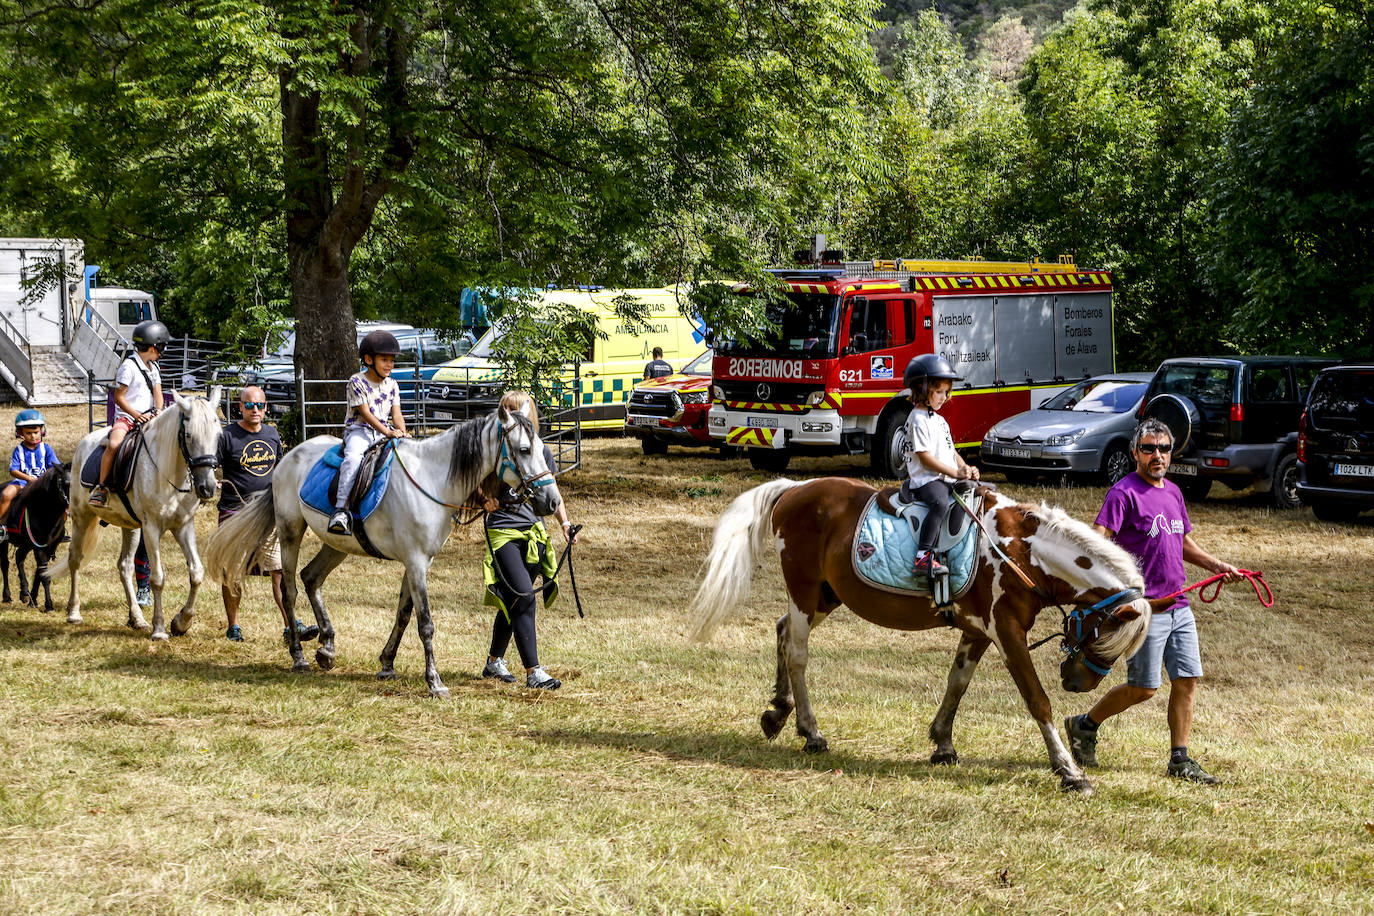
point(1150, 448)
point(254, 405)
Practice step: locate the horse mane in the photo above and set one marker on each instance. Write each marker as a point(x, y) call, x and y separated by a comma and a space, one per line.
point(1083, 537)
point(201, 425)
point(465, 457)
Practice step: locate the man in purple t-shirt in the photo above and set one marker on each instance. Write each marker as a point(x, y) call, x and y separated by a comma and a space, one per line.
point(1144, 513)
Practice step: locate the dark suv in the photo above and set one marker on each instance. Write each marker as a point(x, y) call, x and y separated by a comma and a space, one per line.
point(1336, 443)
point(1234, 419)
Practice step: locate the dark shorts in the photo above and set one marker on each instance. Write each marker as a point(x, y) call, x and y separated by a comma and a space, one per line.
point(269, 555)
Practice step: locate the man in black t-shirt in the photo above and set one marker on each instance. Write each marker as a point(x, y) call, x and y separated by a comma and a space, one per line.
point(657, 367)
point(248, 454)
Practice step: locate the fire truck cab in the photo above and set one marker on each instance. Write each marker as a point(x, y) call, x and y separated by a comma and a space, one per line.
point(830, 380)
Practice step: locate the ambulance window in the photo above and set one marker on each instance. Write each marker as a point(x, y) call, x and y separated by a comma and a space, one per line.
point(868, 326)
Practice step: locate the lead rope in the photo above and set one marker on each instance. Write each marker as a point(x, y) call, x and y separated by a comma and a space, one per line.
point(1253, 576)
point(565, 558)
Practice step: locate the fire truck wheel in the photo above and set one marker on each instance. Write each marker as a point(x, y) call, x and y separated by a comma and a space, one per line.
point(887, 447)
point(653, 445)
point(729, 451)
point(769, 459)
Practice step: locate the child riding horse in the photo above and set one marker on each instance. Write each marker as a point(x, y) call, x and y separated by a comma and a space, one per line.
point(36, 523)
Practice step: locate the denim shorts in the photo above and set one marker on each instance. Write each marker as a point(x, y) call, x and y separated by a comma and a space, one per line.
point(1172, 643)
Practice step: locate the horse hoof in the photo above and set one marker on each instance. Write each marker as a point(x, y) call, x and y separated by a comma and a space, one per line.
point(771, 723)
point(816, 745)
point(74, 617)
point(324, 659)
point(386, 674)
point(944, 758)
point(300, 666)
point(157, 636)
point(1079, 785)
point(179, 629)
point(440, 693)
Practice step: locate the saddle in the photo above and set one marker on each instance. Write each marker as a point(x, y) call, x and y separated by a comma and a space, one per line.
point(125, 461)
point(321, 485)
point(885, 547)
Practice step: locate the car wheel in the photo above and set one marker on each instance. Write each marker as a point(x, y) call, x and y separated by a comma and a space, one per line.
point(769, 459)
point(887, 450)
point(1284, 489)
point(1194, 489)
point(729, 451)
point(1117, 463)
point(653, 445)
point(1334, 512)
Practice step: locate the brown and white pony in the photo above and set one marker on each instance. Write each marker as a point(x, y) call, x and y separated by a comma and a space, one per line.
point(812, 524)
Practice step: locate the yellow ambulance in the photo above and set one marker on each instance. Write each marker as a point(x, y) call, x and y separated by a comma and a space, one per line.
point(610, 368)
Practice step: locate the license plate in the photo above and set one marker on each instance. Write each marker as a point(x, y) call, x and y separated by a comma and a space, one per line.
point(642, 421)
point(1014, 452)
point(1353, 470)
point(443, 415)
point(763, 422)
point(1183, 470)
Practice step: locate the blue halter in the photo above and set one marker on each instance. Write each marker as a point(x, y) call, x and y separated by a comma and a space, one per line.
point(527, 484)
point(1078, 635)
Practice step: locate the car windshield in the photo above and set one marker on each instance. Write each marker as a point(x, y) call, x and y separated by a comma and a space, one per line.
point(699, 366)
point(482, 349)
point(1096, 395)
point(806, 324)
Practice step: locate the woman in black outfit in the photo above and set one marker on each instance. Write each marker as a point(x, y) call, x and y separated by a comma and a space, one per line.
point(519, 550)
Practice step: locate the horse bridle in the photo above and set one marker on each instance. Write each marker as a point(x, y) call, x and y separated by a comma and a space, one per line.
point(210, 461)
point(1081, 626)
point(527, 484)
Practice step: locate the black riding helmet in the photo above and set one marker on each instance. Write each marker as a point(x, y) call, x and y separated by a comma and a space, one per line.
point(151, 334)
point(925, 367)
point(378, 343)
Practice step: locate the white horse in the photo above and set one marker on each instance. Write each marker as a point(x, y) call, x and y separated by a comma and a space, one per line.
point(410, 524)
point(174, 474)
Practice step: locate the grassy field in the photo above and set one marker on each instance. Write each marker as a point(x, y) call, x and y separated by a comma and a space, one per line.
point(201, 776)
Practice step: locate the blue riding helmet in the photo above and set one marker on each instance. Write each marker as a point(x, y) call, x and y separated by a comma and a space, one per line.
point(29, 417)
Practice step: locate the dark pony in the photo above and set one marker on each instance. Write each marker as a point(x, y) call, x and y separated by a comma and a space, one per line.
point(36, 523)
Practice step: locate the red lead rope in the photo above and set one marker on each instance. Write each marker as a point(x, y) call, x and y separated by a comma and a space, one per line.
point(1255, 577)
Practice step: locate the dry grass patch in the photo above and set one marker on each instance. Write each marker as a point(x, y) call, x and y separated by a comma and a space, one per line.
point(202, 776)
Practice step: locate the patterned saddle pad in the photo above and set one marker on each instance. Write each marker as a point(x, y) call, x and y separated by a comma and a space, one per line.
point(885, 550)
point(318, 490)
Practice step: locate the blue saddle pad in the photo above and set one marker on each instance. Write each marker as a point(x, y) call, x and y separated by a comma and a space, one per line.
point(315, 490)
point(885, 551)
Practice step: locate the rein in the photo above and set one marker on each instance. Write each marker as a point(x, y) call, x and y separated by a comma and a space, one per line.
point(992, 542)
point(200, 461)
point(56, 532)
point(566, 557)
point(1253, 576)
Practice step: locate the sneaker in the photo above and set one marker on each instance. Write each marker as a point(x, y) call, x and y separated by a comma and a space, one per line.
point(340, 523)
point(497, 668)
point(542, 680)
point(144, 596)
point(1190, 769)
point(1082, 742)
point(98, 497)
point(306, 633)
point(234, 633)
point(927, 565)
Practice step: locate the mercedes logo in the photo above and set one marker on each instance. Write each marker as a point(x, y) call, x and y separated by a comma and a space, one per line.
point(763, 391)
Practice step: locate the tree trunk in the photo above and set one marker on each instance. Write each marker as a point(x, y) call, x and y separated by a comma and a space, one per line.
point(326, 342)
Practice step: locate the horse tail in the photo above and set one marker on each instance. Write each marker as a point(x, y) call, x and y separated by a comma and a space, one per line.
point(229, 555)
point(742, 536)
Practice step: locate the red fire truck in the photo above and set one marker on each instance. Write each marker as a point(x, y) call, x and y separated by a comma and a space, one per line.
point(830, 381)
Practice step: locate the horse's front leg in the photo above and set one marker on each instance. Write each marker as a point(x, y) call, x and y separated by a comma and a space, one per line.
point(312, 577)
point(152, 543)
point(417, 571)
point(186, 537)
point(1011, 639)
point(404, 607)
point(797, 652)
point(5, 568)
point(966, 658)
point(20, 557)
point(40, 577)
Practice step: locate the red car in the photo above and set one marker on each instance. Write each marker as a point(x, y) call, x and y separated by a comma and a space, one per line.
point(672, 410)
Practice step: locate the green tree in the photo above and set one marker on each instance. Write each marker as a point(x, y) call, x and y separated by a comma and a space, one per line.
point(495, 141)
point(1294, 190)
